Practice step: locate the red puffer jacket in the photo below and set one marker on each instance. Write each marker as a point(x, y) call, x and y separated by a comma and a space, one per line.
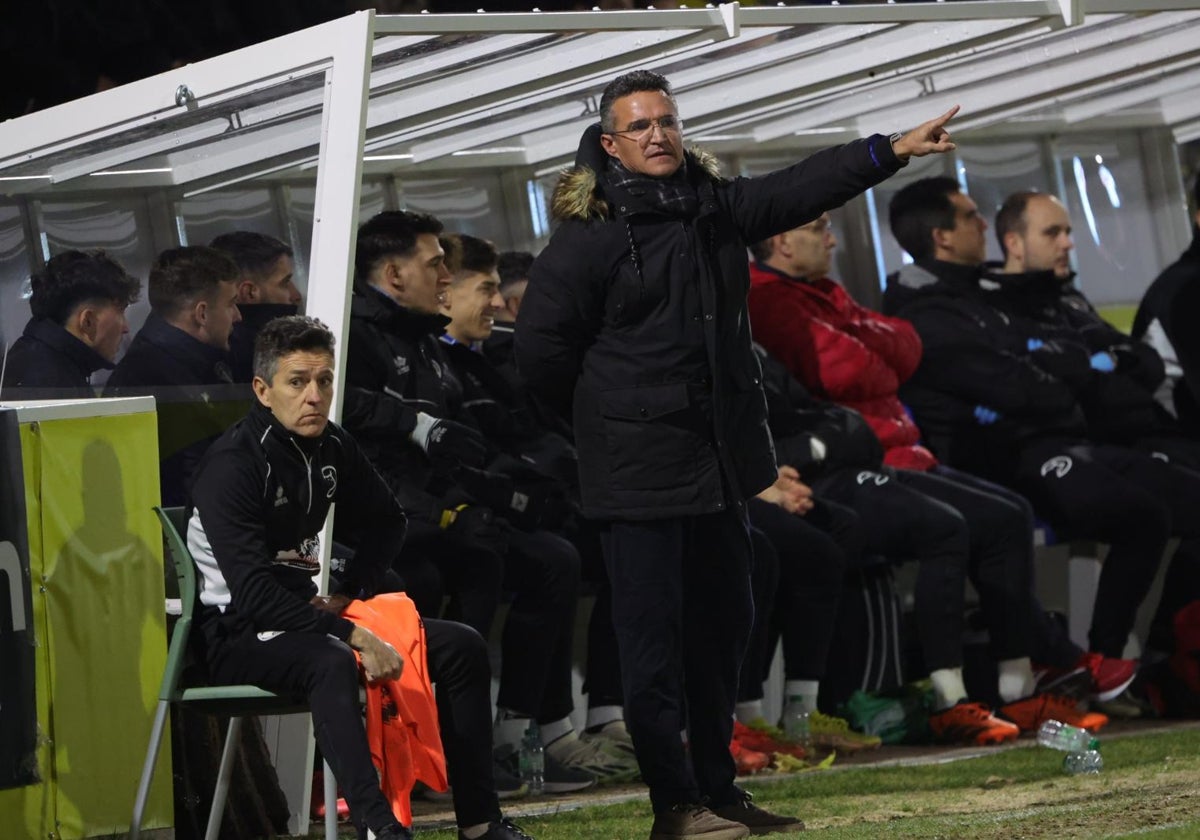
point(843, 352)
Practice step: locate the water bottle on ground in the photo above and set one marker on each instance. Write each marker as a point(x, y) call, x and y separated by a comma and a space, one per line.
point(1087, 763)
point(796, 725)
point(532, 759)
point(1062, 736)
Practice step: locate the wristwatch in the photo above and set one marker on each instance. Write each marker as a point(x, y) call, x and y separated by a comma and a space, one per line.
point(893, 139)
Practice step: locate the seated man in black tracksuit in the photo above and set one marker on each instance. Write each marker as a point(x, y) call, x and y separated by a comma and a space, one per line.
point(840, 456)
point(180, 357)
point(987, 406)
point(78, 306)
point(261, 494)
point(542, 466)
point(1165, 320)
point(265, 290)
point(1114, 378)
point(404, 405)
point(513, 268)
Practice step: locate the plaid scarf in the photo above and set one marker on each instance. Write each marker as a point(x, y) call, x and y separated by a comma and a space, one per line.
point(673, 195)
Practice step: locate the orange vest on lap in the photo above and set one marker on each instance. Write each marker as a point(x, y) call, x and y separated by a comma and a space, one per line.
point(402, 720)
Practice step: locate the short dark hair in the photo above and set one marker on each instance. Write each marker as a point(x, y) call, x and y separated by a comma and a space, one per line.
point(254, 253)
point(763, 250)
point(390, 233)
point(630, 83)
point(513, 267)
point(289, 334)
point(73, 278)
point(920, 208)
point(1011, 215)
point(182, 275)
point(471, 253)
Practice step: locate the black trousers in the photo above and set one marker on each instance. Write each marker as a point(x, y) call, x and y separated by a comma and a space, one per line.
point(542, 570)
point(324, 670)
point(1132, 501)
point(812, 553)
point(682, 610)
point(903, 523)
point(602, 673)
point(462, 679)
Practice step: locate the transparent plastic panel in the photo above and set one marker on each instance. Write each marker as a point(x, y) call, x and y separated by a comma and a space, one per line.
point(15, 265)
point(1105, 194)
point(993, 171)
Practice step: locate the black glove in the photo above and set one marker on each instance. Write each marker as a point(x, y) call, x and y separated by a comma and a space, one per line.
point(476, 524)
point(449, 444)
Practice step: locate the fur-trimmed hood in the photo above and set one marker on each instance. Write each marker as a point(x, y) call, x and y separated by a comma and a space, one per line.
point(578, 194)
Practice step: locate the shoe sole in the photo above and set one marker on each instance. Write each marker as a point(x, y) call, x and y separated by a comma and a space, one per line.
point(987, 739)
point(1112, 693)
point(843, 746)
point(567, 787)
point(721, 834)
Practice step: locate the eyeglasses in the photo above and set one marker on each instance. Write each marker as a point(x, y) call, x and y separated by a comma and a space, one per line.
point(819, 227)
point(642, 130)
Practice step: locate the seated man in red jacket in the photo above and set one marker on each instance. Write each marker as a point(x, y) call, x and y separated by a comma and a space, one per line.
point(850, 355)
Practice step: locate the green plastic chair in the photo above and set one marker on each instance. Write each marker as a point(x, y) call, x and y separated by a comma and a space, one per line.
point(236, 701)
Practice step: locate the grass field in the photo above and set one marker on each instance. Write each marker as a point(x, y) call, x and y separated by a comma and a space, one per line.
point(1150, 787)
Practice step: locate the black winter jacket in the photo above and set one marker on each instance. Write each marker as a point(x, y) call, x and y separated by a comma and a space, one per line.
point(973, 357)
point(194, 393)
point(797, 418)
point(48, 363)
point(1167, 319)
point(395, 369)
point(260, 497)
point(636, 319)
point(1119, 405)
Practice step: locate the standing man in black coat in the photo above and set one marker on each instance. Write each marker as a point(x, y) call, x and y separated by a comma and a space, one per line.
point(78, 305)
point(635, 317)
point(180, 357)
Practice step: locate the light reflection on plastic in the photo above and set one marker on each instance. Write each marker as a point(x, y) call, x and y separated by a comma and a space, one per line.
point(537, 209)
point(1081, 185)
point(1110, 184)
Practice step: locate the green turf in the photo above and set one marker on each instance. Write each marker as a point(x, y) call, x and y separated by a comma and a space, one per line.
point(1150, 787)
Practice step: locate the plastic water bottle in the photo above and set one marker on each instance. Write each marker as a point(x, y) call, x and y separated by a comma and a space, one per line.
point(796, 723)
point(1087, 763)
point(532, 759)
point(1070, 739)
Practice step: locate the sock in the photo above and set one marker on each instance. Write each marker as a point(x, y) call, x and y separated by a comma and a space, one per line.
point(598, 716)
point(510, 727)
point(474, 832)
point(554, 730)
point(948, 687)
point(749, 711)
point(1016, 679)
point(806, 690)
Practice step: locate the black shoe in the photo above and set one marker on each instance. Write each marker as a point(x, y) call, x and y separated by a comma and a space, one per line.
point(505, 829)
point(744, 811)
point(392, 832)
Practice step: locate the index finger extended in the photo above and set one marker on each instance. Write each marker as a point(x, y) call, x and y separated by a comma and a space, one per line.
point(945, 118)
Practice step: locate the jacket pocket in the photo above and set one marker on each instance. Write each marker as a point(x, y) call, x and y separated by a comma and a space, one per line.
point(648, 440)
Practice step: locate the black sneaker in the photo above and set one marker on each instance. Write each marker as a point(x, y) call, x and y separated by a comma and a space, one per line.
point(505, 829)
point(759, 821)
